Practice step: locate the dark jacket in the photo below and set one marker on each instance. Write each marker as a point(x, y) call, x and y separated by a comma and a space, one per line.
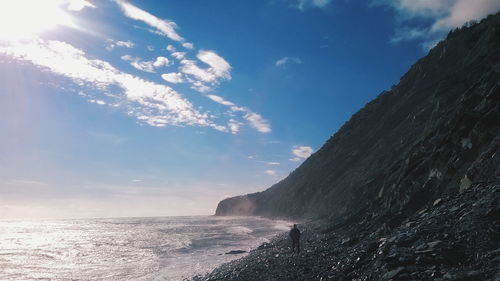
point(295, 234)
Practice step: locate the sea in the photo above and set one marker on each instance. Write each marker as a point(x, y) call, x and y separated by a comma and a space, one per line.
point(159, 248)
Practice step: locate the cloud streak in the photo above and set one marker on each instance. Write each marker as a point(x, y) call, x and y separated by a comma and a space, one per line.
point(254, 120)
point(258, 122)
point(112, 44)
point(301, 153)
point(173, 77)
point(443, 15)
point(78, 5)
point(147, 66)
point(154, 104)
point(309, 4)
point(287, 60)
point(161, 26)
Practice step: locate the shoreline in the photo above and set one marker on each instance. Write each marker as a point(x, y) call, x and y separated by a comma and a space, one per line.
point(452, 240)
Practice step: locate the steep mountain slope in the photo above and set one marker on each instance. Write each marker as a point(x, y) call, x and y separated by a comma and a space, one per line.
point(436, 132)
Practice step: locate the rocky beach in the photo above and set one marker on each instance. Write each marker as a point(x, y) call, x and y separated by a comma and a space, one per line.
point(454, 239)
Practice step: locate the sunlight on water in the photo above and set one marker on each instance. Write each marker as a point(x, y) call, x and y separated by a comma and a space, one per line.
point(169, 248)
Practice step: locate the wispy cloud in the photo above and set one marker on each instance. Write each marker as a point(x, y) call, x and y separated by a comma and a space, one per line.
point(154, 104)
point(179, 55)
point(255, 120)
point(161, 26)
point(463, 11)
point(126, 44)
point(188, 45)
point(308, 4)
point(443, 15)
point(78, 5)
point(191, 68)
point(148, 66)
point(220, 100)
point(204, 79)
point(286, 60)
point(218, 65)
point(270, 172)
point(99, 102)
point(234, 126)
point(301, 152)
point(170, 48)
point(173, 77)
point(112, 44)
point(270, 163)
point(408, 34)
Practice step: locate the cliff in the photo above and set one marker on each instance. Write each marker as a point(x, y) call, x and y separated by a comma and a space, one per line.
point(434, 134)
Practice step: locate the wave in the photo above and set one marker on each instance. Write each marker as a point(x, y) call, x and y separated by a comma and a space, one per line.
point(240, 230)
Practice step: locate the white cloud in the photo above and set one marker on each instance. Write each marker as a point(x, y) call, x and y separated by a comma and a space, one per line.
point(417, 8)
point(154, 104)
point(170, 48)
point(307, 4)
point(238, 109)
point(112, 44)
point(173, 77)
point(191, 68)
point(270, 172)
point(408, 34)
point(199, 86)
point(78, 5)
point(218, 65)
point(270, 163)
point(160, 62)
point(137, 63)
point(286, 60)
point(147, 66)
point(463, 11)
point(442, 14)
point(188, 45)
point(256, 121)
point(234, 126)
point(126, 44)
point(99, 102)
point(203, 79)
point(164, 27)
point(220, 100)
point(301, 152)
point(126, 58)
point(179, 55)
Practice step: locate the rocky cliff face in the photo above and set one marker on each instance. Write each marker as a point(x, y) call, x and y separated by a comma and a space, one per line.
point(435, 133)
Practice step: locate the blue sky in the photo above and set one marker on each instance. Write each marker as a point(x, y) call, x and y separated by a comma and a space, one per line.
point(150, 108)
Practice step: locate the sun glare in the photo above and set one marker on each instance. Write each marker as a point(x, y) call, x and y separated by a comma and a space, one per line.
point(24, 19)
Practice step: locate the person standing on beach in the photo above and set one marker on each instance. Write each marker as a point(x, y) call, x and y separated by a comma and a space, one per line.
point(295, 235)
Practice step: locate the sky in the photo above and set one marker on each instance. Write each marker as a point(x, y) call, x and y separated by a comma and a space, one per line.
point(120, 108)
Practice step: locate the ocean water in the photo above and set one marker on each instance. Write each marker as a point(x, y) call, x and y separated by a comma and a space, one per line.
point(163, 248)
